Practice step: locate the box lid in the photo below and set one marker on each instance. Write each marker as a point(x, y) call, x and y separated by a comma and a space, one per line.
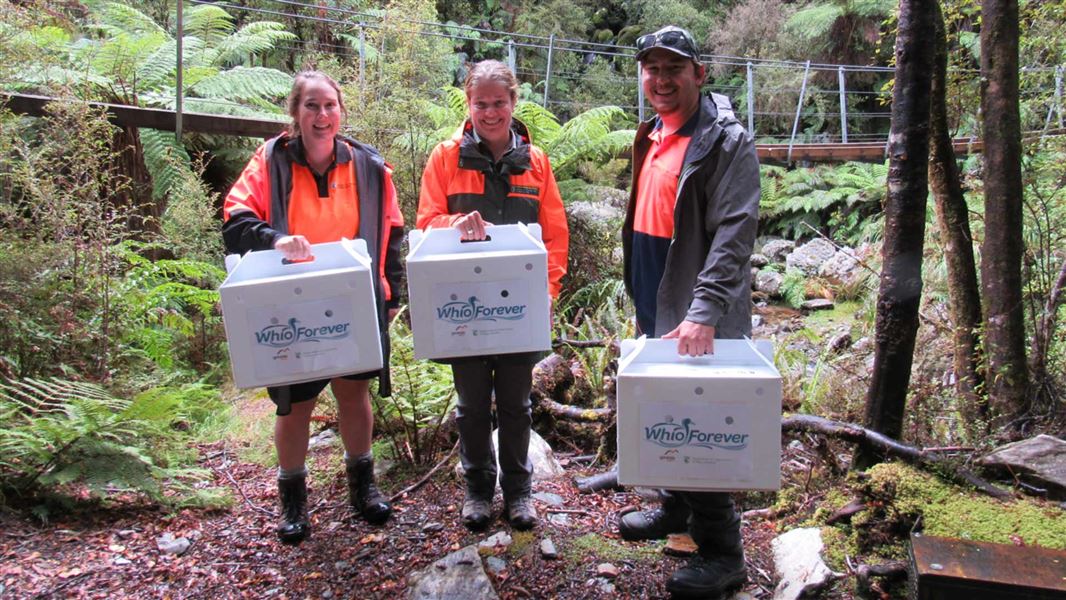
point(731, 358)
point(268, 264)
point(445, 242)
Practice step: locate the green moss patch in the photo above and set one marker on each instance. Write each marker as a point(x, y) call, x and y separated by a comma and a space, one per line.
point(608, 549)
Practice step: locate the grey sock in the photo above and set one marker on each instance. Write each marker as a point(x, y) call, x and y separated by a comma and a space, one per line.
point(300, 471)
point(350, 460)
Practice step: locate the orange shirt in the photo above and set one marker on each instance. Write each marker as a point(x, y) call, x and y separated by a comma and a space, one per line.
point(657, 185)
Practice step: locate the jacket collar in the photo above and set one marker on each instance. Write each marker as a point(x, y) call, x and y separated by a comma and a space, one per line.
point(294, 148)
point(475, 156)
point(708, 124)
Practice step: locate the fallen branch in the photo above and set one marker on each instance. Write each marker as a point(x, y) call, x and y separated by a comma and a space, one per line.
point(893, 571)
point(247, 500)
point(559, 342)
point(437, 467)
point(574, 413)
point(602, 481)
point(567, 511)
point(758, 513)
point(877, 442)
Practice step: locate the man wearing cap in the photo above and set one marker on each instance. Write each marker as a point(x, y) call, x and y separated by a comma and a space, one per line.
point(687, 240)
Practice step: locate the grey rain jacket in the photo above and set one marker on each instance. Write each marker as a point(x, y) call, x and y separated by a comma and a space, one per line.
point(707, 279)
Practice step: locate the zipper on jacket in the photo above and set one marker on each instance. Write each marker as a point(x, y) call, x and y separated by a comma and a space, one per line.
point(686, 171)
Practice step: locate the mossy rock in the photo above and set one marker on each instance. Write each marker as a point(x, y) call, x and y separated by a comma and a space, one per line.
point(950, 511)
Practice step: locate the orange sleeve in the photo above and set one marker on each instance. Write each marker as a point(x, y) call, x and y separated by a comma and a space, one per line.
point(554, 230)
point(433, 195)
point(251, 193)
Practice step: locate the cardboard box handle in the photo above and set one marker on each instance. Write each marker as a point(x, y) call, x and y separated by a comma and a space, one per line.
point(286, 261)
point(488, 238)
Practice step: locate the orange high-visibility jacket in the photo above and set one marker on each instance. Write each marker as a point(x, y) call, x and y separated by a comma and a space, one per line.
point(460, 178)
point(279, 195)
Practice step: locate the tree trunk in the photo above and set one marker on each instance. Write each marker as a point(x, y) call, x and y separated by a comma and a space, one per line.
point(901, 275)
point(1001, 254)
point(142, 212)
point(953, 221)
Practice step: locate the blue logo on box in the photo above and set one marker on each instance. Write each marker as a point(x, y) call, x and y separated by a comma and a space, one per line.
point(674, 435)
point(473, 310)
point(279, 335)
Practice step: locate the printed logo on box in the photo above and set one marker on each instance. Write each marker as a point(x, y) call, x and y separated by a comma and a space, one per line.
point(674, 435)
point(303, 337)
point(277, 335)
point(480, 315)
point(460, 312)
point(711, 441)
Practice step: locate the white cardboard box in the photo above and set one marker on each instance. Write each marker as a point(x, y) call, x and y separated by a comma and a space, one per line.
point(476, 298)
point(709, 423)
point(295, 322)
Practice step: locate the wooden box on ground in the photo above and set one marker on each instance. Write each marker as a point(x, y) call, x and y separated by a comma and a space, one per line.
point(950, 569)
point(703, 423)
point(295, 322)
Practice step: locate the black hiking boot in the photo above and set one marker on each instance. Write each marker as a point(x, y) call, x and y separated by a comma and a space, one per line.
point(294, 527)
point(364, 495)
point(708, 576)
point(655, 524)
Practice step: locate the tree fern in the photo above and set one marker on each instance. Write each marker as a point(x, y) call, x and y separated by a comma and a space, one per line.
point(158, 67)
point(244, 83)
point(209, 22)
point(815, 20)
point(252, 38)
point(115, 17)
point(370, 53)
point(542, 124)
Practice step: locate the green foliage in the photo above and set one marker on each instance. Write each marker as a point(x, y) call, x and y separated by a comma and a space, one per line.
point(121, 54)
point(161, 303)
point(83, 297)
point(55, 434)
point(845, 200)
point(794, 287)
point(422, 396)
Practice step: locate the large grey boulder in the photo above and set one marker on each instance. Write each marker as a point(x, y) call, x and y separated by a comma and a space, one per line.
point(801, 572)
point(769, 282)
point(777, 250)
point(458, 576)
point(595, 214)
point(809, 257)
point(843, 267)
point(1039, 461)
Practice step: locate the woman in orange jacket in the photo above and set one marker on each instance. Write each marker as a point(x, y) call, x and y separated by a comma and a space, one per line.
point(489, 173)
point(307, 186)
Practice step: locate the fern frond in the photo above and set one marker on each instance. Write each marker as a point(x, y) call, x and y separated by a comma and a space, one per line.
point(50, 39)
point(244, 83)
point(260, 36)
point(370, 53)
point(158, 67)
point(166, 160)
point(209, 22)
point(815, 21)
point(872, 8)
point(541, 123)
point(123, 17)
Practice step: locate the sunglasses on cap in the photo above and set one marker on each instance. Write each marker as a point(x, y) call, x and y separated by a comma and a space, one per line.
point(675, 39)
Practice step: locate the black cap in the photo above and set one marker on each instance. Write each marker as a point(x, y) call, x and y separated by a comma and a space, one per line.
point(672, 38)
